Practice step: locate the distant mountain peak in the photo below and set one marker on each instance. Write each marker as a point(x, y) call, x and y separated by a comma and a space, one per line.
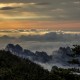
point(64, 56)
point(19, 51)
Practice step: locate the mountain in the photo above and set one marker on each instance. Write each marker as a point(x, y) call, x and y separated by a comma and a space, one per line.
point(64, 56)
point(19, 51)
point(13, 67)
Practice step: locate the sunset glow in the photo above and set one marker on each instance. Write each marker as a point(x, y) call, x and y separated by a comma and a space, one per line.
point(65, 15)
point(62, 25)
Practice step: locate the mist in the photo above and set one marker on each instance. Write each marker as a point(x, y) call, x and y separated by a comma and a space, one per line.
point(39, 40)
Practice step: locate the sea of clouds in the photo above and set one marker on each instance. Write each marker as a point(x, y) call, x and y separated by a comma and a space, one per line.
point(39, 40)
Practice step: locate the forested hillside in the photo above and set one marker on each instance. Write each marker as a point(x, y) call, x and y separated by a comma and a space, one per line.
point(15, 68)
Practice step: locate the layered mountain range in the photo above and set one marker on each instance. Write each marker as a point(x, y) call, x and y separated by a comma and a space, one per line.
point(63, 56)
point(19, 51)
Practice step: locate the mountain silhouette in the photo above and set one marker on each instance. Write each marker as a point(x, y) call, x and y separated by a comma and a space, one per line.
point(63, 56)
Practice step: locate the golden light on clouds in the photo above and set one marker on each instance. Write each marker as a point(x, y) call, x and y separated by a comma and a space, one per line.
point(34, 14)
point(11, 4)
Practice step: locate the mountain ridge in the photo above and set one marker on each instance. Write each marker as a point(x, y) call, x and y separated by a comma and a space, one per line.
point(63, 56)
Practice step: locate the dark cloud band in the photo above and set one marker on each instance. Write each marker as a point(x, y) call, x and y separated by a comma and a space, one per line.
point(8, 8)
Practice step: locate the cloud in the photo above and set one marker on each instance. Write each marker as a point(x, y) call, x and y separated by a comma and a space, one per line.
point(8, 8)
point(5, 37)
point(57, 10)
point(19, 11)
point(43, 3)
point(48, 42)
point(76, 2)
point(22, 16)
point(37, 35)
point(11, 5)
point(53, 9)
point(51, 36)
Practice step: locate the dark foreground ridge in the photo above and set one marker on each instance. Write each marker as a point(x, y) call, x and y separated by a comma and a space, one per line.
point(13, 67)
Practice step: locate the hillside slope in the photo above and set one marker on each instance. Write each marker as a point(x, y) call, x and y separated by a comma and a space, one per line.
point(15, 68)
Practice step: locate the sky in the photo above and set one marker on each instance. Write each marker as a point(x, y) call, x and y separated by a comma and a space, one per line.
point(40, 14)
